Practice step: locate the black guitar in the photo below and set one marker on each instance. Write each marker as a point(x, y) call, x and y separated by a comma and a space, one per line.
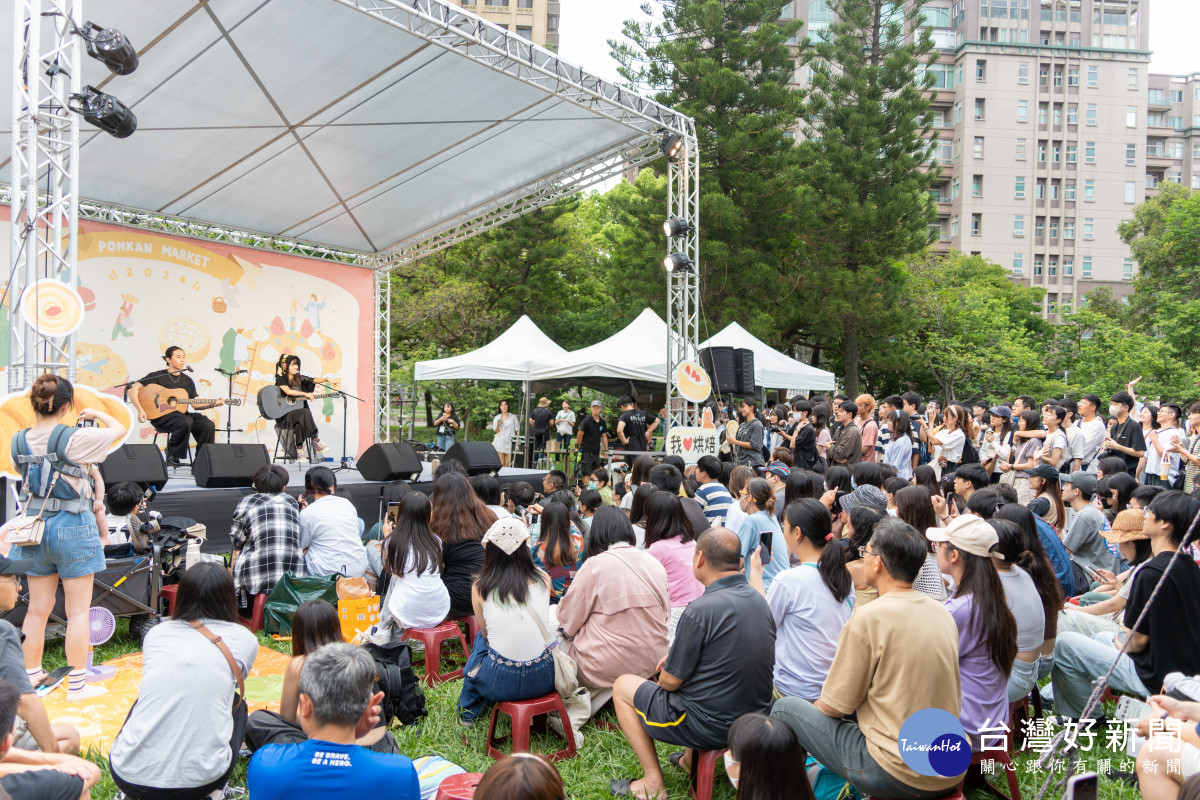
point(273, 403)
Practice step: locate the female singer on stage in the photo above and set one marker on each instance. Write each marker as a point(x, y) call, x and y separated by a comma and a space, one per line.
point(299, 421)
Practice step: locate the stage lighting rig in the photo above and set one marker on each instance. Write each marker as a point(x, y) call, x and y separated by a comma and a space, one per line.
point(670, 145)
point(110, 47)
point(675, 226)
point(105, 112)
point(677, 262)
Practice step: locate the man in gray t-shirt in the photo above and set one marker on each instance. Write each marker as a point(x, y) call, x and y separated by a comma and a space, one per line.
point(1082, 539)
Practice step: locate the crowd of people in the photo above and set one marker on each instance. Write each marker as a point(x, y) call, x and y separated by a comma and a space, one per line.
point(842, 565)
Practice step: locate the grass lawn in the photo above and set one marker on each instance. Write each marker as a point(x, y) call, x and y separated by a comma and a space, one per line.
point(604, 754)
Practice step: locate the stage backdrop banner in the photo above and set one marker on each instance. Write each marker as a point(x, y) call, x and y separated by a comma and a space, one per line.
point(232, 308)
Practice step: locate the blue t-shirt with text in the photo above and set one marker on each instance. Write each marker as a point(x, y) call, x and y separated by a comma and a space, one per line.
point(315, 769)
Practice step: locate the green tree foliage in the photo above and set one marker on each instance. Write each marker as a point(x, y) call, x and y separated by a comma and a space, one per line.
point(866, 160)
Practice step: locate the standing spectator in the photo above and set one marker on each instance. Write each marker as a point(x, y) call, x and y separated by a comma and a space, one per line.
point(592, 441)
point(898, 452)
point(1091, 433)
point(1125, 437)
point(635, 427)
point(539, 424)
point(336, 704)
point(886, 406)
point(329, 529)
point(951, 436)
point(505, 426)
point(758, 504)
point(867, 426)
point(804, 438)
point(416, 596)
point(265, 535)
point(714, 499)
point(820, 421)
point(1027, 456)
point(671, 539)
point(912, 407)
point(718, 669)
point(1056, 449)
point(564, 425)
point(459, 519)
point(43, 776)
point(1162, 466)
point(748, 442)
point(846, 448)
point(1190, 455)
point(446, 425)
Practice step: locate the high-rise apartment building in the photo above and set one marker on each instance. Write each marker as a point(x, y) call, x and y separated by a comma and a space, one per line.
point(1051, 130)
point(535, 20)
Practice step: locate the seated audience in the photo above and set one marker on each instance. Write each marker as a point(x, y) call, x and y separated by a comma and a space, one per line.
point(1168, 639)
point(392, 493)
point(589, 503)
point(1103, 610)
point(719, 668)
point(670, 539)
point(775, 473)
point(914, 506)
point(810, 602)
point(902, 634)
point(1035, 613)
point(1168, 764)
point(1034, 527)
point(614, 619)
point(44, 776)
point(265, 536)
point(412, 556)
point(1082, 538)
point(521, 776)
point(670, 479)
point(713, 498)
point(761, 527)
point(180, 739)
point(329, 529)
point(559, 551)
point(459, 519)
point(488, 490)
point(509, 659)
point(599, 481)
point(764, 761)
point(739, 476)
point(860, 525)
point(336, 705)
point(314, 625)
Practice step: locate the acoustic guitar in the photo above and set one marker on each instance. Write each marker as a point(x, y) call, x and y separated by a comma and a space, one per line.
point(158, 401)
point(273, 403)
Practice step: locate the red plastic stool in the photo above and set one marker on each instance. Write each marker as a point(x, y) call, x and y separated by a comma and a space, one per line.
point(433, 639)
point(459, 787)
point(522, 712)
point(471, 623)
point(704, 773)
point(255, 623)
point(168, 593)
point(1005, 760)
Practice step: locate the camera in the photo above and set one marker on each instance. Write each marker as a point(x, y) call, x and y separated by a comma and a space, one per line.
point(87, 423)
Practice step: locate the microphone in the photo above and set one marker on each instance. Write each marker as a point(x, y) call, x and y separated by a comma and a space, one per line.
point(187, 369)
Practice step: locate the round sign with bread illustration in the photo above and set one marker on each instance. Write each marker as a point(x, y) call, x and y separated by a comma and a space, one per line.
point(692, 382)
point(52, 307)
point(16, 413)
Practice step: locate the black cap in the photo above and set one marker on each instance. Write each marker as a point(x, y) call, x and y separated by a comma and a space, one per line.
point(10, 566)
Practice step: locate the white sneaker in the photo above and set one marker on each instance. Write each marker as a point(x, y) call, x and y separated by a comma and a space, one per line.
point(320, 446)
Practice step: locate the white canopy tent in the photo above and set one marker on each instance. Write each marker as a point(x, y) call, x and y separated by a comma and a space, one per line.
point(511, 356)
point(772, 369)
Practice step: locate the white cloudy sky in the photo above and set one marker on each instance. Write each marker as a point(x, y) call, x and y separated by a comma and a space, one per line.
point(587, 26)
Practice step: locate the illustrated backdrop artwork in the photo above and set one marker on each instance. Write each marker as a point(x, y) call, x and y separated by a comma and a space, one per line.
point(229, 307)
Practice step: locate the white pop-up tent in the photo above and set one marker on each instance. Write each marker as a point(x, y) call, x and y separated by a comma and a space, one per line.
point(511, 356)
point(772, 369)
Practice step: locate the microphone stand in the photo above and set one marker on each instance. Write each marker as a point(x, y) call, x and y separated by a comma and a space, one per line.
point(229, 412)
point(344, 464)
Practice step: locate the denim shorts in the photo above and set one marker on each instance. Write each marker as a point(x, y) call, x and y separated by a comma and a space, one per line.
point(70, 547)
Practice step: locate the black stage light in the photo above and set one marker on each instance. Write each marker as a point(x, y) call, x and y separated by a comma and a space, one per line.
point(671, 144)
point(677, 262)
point(676, 227)
point(110, 47)
point(105, 112)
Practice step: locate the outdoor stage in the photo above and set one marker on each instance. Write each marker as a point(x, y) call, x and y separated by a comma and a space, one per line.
point(181, 497)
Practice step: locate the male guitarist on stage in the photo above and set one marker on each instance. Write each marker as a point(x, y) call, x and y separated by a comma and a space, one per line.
point(178, 425)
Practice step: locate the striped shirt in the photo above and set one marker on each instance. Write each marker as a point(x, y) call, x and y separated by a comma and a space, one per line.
point(715, 500)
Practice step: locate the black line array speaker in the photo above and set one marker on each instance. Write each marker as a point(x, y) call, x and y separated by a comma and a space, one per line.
point(718, 363)
point(139, 463)
point(390, 461)
point(227, 466)
point(743, 359)
point(480, 458)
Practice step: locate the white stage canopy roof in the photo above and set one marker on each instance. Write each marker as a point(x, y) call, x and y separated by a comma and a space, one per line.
point(511, 356)
point(772, 369)
point(370, 131)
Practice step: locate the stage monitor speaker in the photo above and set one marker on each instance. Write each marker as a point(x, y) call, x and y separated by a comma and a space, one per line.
point(390, 461)
point(718, 363)
point(226, 466)
point(139, 463)
point(480, 458)
point(743, 359)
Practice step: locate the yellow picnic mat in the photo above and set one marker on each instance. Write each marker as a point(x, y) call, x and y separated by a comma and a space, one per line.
point(99, 720)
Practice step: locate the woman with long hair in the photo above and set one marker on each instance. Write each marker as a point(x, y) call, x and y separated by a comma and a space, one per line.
point(299, 421)
point(951, 436)
point(1028, 454)
point(739, 476)
point(926, 476)
point(1121, 487)
point(1035, 611)
point(996, 447)
point(799, 486)
point(820, 423)
point(1148, 417)
point(509, 659)
point(900, 427)
point(61, 490)
point(810, 603)
point(915, 506)
point(1041, 540)
point(412, 556)
point(987, 630)
point(671, 539)
point(638, 474)
point(459, 519)
point(757, 502)
point(837, 477)
point(861, 523)
point(1055, 448)
point(446, 426)
point(180, 739)
point(614, 619)
point(504, 427)
point(314, 625)
point(764, 761)
point(559, 551)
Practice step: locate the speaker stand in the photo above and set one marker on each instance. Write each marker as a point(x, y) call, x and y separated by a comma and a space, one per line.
point(346, 462)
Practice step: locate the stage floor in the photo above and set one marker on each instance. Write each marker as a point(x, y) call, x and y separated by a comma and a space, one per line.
point(214, 508)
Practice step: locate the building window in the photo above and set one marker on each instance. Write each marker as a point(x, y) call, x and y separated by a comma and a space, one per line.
point(1127, 269)
point(1041, 153)
point(1073, 76)
point(552, 22)
point(1131, 154)
point(1018, 267)
point(1019, 190)
point(1022, 111)
point(1043, 75)
point(979, 108)
point(954, 225)
point(1041, 114)
point(1089, 152)
point(976, 224)
point(1053, 266)
point(1039, 190)
point(1070, 192)
point(1093, 77)
point(1054, 191)
point(976, 186)
point(1054, 227)
point(1091, 114)
point(1022, 146)
point(1130, 116)
point(525, 32)
point(1069, 229)
point(1037, 266)
point(1089, 228)
point(1023, 75)
point(1086, 267)
point(785, 13)
point(1058, 76)
point(1019, 225)
point(1058, 115)
point(1133, 78)
point(529, 4)
point(1175, 122)
point(1130, 191)
point(980, 70)
point(503, 3)
point(1073, 114)
point(958, 111)
point(954, 189)
point(1071, 154)
point(977, 147)
point(1068, 266)
point(1089, 191)
point(1039, 227)
point(1056, 152)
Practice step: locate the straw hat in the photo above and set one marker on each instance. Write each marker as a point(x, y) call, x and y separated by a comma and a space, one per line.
point(1127, 527)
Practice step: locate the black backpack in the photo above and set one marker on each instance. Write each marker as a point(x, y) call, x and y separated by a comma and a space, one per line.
point(969, 454)
point(402, 695)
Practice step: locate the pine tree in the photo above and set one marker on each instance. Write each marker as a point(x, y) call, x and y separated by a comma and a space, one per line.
point(866, 159)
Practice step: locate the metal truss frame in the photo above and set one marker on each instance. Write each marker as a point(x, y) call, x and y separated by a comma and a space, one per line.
point(683, 286)
point(45, 146)
point(383, 355)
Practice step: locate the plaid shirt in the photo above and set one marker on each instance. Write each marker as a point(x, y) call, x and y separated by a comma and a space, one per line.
point(266, 529)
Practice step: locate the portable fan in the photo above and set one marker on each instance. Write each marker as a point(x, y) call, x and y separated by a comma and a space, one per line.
point(101, 625)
